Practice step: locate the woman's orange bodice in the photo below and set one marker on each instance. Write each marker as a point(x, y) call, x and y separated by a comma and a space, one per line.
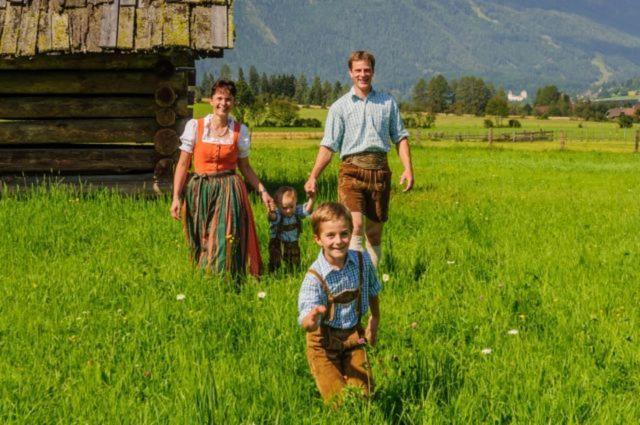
point(210, 158)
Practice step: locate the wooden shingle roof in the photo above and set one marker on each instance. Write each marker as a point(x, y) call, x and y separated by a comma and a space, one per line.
point(35, 27)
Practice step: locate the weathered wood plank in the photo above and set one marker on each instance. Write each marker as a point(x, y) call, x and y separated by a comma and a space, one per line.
point(2, 13)
point(79, 28)
point(95, 27)
point(219, 29)
point(75, 3)
point(141, 38)
point(126, 130)
point(126, 22)
point(9, 40)
point(3, 4)
point(109, 27)
point(44, 107)
point(44, 32)
point(84, 82)
point(60, 40)
point(176, 25)
point(231, 28)
point(97, 61)
point(85, 159)
point(156, 20)
point(128, 2)
point(201, 18)
point(28, 37)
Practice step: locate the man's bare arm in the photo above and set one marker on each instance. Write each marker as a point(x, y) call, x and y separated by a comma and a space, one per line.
point(404, 152)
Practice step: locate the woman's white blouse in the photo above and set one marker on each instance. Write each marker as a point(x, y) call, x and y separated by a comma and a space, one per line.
point(189, 135)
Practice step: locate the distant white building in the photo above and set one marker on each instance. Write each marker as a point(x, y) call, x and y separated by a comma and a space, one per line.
point(520, 98)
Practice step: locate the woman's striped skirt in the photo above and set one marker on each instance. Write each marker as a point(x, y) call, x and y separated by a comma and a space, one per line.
point(219, 225)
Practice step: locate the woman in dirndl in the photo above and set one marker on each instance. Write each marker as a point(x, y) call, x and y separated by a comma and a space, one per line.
point(216, 212)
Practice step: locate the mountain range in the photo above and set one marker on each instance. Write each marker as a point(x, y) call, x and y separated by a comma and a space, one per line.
point(515, 44)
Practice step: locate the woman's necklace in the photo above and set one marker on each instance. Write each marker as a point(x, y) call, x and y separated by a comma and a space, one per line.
point(217, 132)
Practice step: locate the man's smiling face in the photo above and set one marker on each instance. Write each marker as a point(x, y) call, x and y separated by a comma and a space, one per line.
point(361, 74)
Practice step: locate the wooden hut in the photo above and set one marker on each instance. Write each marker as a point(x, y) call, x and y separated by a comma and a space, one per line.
point(101, 87)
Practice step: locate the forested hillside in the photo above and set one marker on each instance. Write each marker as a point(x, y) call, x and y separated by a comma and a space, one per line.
point(513, 43)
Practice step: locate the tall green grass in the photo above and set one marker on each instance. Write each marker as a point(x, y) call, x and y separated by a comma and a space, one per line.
point(546, 244)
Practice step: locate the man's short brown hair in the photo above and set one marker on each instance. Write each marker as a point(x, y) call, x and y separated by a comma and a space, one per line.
point(362, 55)
point(330, 211)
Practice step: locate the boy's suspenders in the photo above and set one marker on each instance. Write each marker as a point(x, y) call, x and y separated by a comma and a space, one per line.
point(332, 298)
point(297, 225)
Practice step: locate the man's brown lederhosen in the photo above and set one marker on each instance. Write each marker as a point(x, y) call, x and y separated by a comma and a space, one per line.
point(364, 184)
point(336, 356)
point(280, 249)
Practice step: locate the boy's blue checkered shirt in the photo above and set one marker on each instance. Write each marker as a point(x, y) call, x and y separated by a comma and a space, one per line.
point(338, 280)
point(290, 235)
point(357, 125)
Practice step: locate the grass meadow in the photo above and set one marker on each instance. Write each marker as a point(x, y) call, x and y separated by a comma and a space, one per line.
point(512, 296)
point(591, 134)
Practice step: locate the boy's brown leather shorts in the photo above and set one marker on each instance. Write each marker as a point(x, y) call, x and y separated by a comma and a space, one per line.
point(337, 359)
point(365, 190)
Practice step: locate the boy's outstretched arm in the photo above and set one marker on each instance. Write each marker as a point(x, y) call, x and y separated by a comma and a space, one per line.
point(312, 320)
point(371, 333)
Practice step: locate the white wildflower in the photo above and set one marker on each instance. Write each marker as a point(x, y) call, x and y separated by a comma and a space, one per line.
point(385, 277)
point(262, 295)
point(181, 297)
point(486, 351)
point(513, 332)
point(450, 262)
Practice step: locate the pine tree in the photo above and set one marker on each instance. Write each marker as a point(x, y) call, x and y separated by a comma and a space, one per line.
point(419, 95)
point(240, 74)
point(327, 92)
point(439, 94)
point(254, 80)
point(225, 72)
point(337, 91)
point(302, 89)
point(315, 93)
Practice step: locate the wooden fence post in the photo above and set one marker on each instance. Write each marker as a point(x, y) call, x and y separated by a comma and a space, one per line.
point(491, 137)
point(637, 146)
point(563, 140)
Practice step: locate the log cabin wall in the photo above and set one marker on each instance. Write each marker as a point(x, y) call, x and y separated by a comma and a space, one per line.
point(101, 86)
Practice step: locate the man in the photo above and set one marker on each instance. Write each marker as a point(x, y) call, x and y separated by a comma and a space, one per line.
point(360, 127)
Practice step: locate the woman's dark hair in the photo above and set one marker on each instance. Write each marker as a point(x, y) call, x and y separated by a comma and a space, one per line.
point(223, 83)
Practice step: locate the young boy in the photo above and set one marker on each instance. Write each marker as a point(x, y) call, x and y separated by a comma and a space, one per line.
point(339, 288)
point(285, 224)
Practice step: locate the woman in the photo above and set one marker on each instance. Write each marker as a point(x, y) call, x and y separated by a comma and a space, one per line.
point(216, 212)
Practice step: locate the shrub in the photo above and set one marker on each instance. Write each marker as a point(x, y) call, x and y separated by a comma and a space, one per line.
point(409, 122)
point(488, 123)
point(514, 124)
point(307, 122)
point(625, 121)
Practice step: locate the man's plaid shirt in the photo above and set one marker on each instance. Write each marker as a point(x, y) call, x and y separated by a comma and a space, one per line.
point(357, 125)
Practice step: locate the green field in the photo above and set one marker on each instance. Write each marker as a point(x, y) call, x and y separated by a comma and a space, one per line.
point(534, 255)
point(575, 129)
